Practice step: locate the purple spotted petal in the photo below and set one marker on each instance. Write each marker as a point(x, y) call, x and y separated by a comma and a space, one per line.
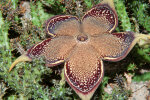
point(54, 50)
point(100, 19)
point(127, 41)
point(113, 47)
point(62, 25)
point(84, 71)
point(38, 49)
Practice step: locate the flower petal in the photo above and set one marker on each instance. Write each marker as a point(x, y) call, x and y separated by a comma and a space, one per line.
point(54, 50)
point(84, 71)
point(101, 18)
point(62, 25)
point(115, 46)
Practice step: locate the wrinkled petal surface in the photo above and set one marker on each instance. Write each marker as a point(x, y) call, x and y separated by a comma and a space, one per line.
point(63, 25)
point(113, 47)
point(101, 18)
point(84, 71)
point(54, 50)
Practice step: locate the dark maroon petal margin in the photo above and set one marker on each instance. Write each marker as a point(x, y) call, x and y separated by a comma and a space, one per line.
point(38, 49)
point(128, 38)
point(92, 83)
point(103, 10)
point(50, 24)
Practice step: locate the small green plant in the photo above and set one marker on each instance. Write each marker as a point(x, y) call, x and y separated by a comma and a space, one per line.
point(119, 91)
point(123, 15)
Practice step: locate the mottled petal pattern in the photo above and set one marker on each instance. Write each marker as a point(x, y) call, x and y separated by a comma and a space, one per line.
point(84, 71)
point(101, 18)
point(38, 49)
point(55, 50)
point(113, 47)
point(63, 25)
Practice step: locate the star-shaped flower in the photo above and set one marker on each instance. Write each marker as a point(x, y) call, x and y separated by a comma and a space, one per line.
point(82, 45)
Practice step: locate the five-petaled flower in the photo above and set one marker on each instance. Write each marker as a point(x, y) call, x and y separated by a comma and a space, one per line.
point(82, 45)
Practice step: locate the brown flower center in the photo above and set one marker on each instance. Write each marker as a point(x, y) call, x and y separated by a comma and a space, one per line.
point(82, 37)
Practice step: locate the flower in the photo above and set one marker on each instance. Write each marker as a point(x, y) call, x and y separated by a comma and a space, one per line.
point(83, 45)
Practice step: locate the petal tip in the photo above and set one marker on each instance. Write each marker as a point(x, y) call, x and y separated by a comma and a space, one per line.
point(19, 59)
point(86, 97)
point(109, 2)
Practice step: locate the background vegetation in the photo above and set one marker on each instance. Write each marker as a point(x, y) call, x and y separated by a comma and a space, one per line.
point(22, 25)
